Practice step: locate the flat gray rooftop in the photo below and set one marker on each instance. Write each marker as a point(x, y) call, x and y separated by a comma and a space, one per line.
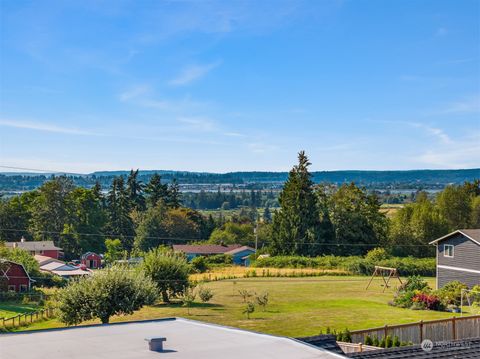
point(185, 339)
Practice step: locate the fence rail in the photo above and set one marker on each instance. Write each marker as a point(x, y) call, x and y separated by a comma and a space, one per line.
point(26, 318)
point(435, 330)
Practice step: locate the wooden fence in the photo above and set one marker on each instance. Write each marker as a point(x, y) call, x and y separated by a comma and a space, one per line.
point(435, 330)
point(26, 318)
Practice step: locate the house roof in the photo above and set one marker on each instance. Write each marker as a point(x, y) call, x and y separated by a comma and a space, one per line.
point(205, 249)
point(465, 349)
point(34, 245)
point(472, 234)
point(240, 249)
point(44, 259)
point(324, 341)
point(85, 255)
point(184, 339)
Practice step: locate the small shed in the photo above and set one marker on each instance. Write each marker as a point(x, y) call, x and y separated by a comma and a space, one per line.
point(91, 260)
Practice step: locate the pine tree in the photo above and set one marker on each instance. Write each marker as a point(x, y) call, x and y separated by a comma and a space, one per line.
point(135, 191)
point(118, 207)
point(174, 195)
point(296, 227)
point(156, 190)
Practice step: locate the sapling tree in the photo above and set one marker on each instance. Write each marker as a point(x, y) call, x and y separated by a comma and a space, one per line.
point(112, 291)
point(262, 300)
point(245, 294)
point(188, 298)
point(249, 309)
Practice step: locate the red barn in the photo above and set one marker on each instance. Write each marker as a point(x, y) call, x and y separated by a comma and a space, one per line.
point(14, 277)
point(91, 260)
point(44, 248)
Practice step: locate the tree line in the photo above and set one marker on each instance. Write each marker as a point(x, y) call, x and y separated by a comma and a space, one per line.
point(135, 216)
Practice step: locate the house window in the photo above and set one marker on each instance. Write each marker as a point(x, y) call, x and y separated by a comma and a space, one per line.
point(11, 288)
point(23, 288)
point(448, 250)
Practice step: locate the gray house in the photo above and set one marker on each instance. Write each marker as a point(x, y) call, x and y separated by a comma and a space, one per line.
point(458, 257)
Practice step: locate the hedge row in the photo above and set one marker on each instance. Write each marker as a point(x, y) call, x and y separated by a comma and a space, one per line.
point(406, 266)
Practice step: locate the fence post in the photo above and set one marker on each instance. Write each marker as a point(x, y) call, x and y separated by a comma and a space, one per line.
point(454, 328)
point(360, 345)
point(420, 324)
point(386, 331)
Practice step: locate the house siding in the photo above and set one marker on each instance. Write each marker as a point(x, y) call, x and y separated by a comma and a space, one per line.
point(466, 255)
point(447, 275)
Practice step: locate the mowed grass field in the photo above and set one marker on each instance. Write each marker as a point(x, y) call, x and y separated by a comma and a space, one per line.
point(8, 310)
point(298, 306)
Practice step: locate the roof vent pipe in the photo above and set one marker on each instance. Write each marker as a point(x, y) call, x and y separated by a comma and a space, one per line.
point(155, 344)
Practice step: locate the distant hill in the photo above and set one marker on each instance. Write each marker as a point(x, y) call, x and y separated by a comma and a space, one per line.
point(413, 179)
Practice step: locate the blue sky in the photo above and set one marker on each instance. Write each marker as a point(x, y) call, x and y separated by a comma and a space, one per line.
point(239, 85)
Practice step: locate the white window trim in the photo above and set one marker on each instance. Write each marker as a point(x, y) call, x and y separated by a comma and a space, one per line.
point(23, 288)
point(445, 246)
point(12, 287)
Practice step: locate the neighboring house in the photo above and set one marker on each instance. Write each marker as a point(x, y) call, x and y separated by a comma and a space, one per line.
point(241, 255)
point(44, 248)
point(62, 269)
point(91, 260)
point(181, 339)
point(237, 251)
point(14, 277)
point(458, 257)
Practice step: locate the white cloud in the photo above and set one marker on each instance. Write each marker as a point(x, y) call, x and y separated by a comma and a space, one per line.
point(198, 123)
point(469, 104)
point(434, 131)
point(459, 154)
point(41, 126)
point(192, 73)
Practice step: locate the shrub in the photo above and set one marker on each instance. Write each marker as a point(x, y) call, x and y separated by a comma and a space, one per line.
point(168, 270)
point(376, 255)
point(368, 340)
point(396, 341)
point(376, 342)
point(205, 294)
point(199, 264)
point(407, 266)
point(451, 293)
point(414, 283)
point(388, 342)
point(430, 301)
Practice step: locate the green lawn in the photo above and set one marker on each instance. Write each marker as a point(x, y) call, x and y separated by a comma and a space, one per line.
point(8, 310)
point(298, 306)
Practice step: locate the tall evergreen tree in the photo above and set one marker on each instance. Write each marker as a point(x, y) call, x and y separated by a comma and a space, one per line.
point(174, 195)
point(135, 191)
point(156, 190)
point(267, 215)
point(120, 223)
point(296, 226)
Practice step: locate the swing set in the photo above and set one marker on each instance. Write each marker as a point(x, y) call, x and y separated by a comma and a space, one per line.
point(385, 272)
